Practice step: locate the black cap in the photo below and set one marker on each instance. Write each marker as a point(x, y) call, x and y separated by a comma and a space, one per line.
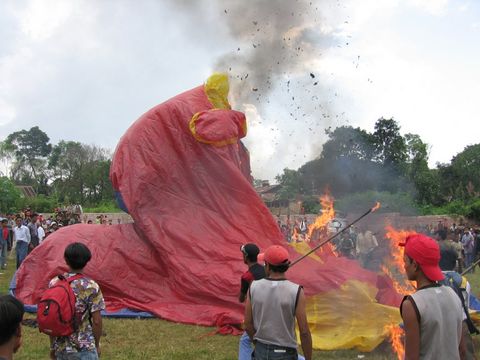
point(250, 250)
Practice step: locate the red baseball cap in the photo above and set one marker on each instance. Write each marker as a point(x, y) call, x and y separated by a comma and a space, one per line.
point(426, 252)
point(276, 255)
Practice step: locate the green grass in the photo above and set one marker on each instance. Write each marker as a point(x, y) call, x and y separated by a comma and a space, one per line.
point(159, 339)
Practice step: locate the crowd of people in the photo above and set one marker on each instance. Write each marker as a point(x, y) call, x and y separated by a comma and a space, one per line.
point(362, 243)
point(27, 229)
point(436, 319)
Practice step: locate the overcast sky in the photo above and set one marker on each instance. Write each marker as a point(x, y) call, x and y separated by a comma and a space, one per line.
point(85, 70)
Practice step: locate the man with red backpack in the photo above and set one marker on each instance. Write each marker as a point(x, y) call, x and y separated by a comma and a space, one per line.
point(83, 341)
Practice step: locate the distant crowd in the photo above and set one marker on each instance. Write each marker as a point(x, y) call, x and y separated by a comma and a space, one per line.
point(362, 244)
point(28, 229)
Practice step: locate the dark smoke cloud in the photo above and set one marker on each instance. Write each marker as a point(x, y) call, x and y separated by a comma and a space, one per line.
point(274, 64)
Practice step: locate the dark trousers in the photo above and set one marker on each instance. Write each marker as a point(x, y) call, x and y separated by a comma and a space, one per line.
point(273, 352)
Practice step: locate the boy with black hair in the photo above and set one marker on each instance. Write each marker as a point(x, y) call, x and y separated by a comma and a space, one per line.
point(11, 316)
point(273, 304)
point(84, 343)
point(255, 271)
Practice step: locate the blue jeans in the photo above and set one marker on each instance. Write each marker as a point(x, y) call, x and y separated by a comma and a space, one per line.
point(273, 352)
point(469, 258)
point(3, 253)
point(82, 355)
point(21, 249)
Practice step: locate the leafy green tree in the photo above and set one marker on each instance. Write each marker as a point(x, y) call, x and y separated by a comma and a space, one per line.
point(290, 184)
point(6, 155)
point(346, 141)
point(9, 194)
point(30, 148)
point(80, 173)
point(390, 147)
point(461, 178)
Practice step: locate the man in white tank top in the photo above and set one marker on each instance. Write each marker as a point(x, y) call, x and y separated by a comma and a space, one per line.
point(271, 308)
point(433, 315)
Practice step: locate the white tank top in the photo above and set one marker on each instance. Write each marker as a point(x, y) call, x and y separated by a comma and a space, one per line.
point(273, 308)
point(441, 314)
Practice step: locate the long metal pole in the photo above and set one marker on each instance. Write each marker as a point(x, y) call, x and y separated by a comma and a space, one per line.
point(470, 267)
point(376, 207)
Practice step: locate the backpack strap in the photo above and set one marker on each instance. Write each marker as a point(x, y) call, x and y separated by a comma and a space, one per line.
point(472, 329)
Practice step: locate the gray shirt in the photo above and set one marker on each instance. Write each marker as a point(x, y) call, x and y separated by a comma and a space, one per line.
point(274, 304)
point(440, 311)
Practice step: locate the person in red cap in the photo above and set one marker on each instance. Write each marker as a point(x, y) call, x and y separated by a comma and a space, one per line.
point(272, 305)
point(432, 316)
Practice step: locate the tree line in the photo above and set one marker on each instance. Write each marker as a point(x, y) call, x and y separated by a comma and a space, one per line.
point(354, 161)
point(65, 173)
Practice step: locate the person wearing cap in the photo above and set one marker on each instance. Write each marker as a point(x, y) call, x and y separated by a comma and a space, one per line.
point(272, 305)
point(432, 316)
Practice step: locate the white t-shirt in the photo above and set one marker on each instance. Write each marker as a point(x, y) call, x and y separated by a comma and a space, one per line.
point(41, 234)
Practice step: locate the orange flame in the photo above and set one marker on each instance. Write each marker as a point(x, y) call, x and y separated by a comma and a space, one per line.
point(393, 264)
point(395, 334)
point(328, 213)
point(376, 207)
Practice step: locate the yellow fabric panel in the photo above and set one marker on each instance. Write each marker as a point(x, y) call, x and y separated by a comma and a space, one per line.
point(217, 88)
point(349, 317)
point(302, 248)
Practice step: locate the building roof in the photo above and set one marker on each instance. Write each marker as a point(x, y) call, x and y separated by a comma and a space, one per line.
point(27, 191)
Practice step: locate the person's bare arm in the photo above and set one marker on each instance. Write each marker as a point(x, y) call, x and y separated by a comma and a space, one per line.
point(241, 297)
point(97, 329)
point(305, 335)
point(249, 317)
point(412, 331)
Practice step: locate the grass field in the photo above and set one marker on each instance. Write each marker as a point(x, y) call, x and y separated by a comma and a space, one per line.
point(159, 339)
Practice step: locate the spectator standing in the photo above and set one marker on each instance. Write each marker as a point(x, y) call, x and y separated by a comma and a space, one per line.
point(255, 272)
point(460, 284)
point(11, 225)
point(22, 237)
point(32, 227)
point(11, 316)
point(432, 316)
point(40, 232)
point(84, 343)
point(468, 243)
point(366, 243)
point(4, 241)
point(271, 308)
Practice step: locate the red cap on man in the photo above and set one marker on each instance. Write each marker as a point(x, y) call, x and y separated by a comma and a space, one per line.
point(426, 252)
point(276, 255)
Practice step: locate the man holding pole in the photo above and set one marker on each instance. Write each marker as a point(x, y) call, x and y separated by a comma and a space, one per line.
point(272, 305)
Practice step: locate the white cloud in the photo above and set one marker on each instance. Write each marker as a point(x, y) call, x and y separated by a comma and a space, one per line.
point(7, 112)
point(433, 7)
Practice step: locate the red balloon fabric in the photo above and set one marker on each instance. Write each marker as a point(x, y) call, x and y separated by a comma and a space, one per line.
point(184, 176)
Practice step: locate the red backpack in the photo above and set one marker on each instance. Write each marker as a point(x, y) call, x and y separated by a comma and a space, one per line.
point(56, 313)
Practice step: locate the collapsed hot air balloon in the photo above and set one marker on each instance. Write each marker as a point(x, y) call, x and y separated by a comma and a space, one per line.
point(183, 174)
